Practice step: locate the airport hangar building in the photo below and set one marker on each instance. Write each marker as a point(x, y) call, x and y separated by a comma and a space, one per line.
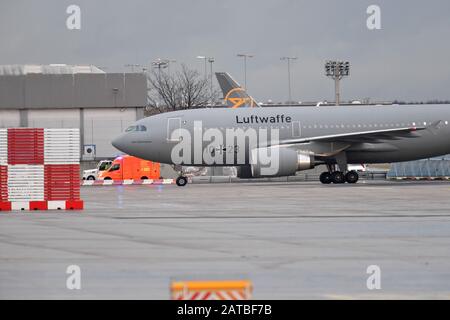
point(100, 104)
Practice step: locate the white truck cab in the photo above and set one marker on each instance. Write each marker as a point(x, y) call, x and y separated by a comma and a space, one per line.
point(92, 174)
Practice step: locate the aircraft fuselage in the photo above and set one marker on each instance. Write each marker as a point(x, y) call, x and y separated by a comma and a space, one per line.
point(156, 143)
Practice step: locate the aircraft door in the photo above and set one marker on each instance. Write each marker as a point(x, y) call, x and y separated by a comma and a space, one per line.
point(296, 129)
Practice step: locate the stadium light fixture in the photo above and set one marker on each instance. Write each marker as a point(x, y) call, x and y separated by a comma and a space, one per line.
point(337, 70)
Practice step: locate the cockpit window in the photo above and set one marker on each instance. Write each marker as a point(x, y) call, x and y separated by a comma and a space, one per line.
point(136, 128)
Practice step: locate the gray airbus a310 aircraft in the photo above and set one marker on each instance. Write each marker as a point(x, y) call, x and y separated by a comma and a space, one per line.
point(279, 141)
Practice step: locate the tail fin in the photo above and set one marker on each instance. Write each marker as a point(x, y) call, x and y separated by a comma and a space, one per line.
point(234, 95)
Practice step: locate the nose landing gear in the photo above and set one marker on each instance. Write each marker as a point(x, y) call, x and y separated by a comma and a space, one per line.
point(181, 181)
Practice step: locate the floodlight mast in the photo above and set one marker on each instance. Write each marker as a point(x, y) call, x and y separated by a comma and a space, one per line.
point(289, 59)
point(211, 61)
point(245, 56)
point(337, 70)
point(162, 64)
point(132, 66)
point(205, 58)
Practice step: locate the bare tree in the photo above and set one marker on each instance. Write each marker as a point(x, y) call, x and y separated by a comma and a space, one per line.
point(185, 89)
point(194, 89)
point(162, 92)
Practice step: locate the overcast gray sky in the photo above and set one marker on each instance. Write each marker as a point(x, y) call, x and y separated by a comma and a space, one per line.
point(407, 59)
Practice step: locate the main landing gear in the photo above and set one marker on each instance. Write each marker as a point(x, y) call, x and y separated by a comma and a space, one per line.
point(334, 176)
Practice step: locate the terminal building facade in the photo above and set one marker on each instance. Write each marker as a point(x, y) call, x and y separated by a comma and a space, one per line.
point(100, 104)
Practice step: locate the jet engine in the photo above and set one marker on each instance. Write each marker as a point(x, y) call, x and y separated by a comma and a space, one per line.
point(279, 161)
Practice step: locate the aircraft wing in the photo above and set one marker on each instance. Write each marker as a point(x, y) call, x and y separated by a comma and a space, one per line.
point(362, 136)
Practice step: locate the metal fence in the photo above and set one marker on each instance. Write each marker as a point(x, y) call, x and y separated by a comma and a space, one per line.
point(435, 167)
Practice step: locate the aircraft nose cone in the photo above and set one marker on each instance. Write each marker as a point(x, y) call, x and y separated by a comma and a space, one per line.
point(118, 143)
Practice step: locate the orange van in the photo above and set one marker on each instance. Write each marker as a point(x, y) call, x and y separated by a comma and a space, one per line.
point(129, 167)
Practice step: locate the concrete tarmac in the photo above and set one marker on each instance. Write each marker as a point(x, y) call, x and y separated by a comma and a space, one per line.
point(294, 240)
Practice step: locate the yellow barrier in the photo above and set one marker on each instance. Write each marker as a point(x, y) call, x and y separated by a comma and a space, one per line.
point(211, 290)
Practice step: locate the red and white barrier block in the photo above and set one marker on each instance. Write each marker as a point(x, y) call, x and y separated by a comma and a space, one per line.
point(41, 205)
point(211, 290)
point(39, 169)
point(126, 182)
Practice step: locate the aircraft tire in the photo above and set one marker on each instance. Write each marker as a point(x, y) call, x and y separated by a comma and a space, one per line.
point(352, 177)
point(338, 177)
point(181, 181)
point(325, 177)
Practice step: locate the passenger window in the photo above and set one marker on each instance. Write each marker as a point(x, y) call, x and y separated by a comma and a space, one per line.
point(115, 167)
